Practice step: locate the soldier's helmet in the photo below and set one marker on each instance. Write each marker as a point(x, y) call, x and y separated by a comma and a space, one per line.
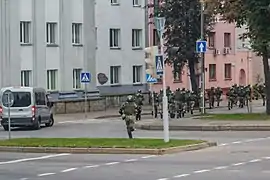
point(183, 89)
point(212, 88)
point(168, 87)
point(129, 98)
point(177, 89)
point(161, 90)
point(139, 91)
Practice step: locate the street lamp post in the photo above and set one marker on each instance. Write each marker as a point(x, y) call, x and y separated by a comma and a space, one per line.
point(202, 59)
point(160, 24)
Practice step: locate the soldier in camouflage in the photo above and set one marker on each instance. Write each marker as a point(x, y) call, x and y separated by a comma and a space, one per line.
point(211, 97)
point(128, 112)
point(139, 101)
point(160, 103)
point(218, 94)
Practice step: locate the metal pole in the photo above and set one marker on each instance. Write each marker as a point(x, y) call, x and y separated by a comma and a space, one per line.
point(8, 99)
point(85, 101)
point(165, 98)
point(202, 60)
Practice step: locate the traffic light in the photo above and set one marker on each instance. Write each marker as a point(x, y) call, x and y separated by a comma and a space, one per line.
point(150, 60)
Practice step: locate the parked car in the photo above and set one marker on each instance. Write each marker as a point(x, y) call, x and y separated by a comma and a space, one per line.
point(30, 108)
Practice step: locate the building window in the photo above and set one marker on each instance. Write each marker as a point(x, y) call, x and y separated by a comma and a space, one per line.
point(76, 33)
point(77, 78)
point(228, 71)
point(136, 3)
point(227, 40)
point(178, 77)
point(212, 72)
point(25, 78)
point(115, 74)
point(137, 74)
point(136, 38)
point(114, 2)
point(114, 38)
point(155, 38)
point(52, 79)
point(25, 32)
point(211, 39)
point(51, 33)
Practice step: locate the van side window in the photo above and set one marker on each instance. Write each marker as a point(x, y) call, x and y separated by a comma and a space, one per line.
point(40, 98)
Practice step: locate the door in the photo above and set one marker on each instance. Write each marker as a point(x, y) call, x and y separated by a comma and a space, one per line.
point(42, 110)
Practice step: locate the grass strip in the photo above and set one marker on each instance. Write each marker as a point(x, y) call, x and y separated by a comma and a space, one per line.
point(237, 116)
point(96, 143)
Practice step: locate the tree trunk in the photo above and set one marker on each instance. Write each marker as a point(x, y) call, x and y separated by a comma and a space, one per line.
point(192, 75)
point(267, 81)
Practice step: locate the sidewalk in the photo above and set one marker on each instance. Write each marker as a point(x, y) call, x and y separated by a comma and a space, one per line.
point(189, 124)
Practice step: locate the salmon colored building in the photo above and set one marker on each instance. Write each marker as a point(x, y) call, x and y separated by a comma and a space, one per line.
point(225, 63)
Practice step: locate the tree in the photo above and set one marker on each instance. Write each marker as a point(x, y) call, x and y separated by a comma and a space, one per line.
point(182, 30)
point(255, 14)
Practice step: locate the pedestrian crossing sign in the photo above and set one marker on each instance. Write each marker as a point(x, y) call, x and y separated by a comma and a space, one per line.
point(85, 77)
point(159, 64)
point(150, 79)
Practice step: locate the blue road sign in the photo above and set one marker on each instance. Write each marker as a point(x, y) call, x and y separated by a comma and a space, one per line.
point(159, 64)
point(85, 77)
point(200, 46)
point(150, 79)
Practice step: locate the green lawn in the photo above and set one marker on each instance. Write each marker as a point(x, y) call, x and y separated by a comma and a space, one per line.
point(237, 116)
point(96, 142)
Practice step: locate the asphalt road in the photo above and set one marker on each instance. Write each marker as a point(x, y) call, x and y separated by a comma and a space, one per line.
point(248, 160)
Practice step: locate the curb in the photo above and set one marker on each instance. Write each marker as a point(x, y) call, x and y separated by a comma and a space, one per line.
point(192, 147)
point(206, 128)
point(116, 116)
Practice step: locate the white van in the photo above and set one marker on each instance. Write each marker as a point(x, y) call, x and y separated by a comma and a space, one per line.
point(31, 108)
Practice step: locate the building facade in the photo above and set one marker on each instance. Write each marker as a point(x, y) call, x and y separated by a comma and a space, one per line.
point(48, 43)
point(120, 46)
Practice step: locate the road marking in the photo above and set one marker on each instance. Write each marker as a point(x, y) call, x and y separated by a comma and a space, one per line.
point(131, 160)
point(201, 171)
point(237, 142)
point(91, 166)
point(181, 175)
point(33, 159)
point(238, 164)
point(163, 179)
point(112, 163)
point(24, 178)
point(68, 170)
point(221, 167)
point(224, 144)
point(266, 157)
point(46, 174)
point(146, 157)
point(255, 160)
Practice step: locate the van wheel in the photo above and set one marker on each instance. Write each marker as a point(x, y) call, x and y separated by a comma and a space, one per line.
point(5, 128)
point(50, 123)
point(37, 125)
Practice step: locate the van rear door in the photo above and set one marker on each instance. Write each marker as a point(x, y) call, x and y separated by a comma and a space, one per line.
point(22, 105)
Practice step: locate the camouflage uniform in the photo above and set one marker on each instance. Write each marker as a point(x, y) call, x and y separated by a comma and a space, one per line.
point(160, 103)
point(139, 101)
point(128, 112)
point(211, 97)
point(218, 94)
point(231, 98)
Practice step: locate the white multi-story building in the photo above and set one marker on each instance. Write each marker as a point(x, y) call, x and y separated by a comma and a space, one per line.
point(48, 43)
point(120, 43)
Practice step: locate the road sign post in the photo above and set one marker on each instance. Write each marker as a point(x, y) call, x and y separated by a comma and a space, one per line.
point(85, 78)
point(8, 100)
point(160, 25)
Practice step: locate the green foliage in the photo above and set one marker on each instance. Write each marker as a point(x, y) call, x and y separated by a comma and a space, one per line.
point(182, 30)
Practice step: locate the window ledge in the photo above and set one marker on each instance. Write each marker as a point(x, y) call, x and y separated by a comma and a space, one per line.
point(177, 81)
point(115, 48)
point(116, 85)
point(26, 44)
point(77, 45)
point(137, 48)
point(137, 5)
point(115, 4)
point(211, 80)
point(228, 79)
point(137, 84)
point(52, 45)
